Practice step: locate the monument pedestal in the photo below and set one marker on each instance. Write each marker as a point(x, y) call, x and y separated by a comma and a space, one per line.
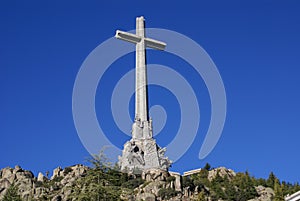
point(142, 153)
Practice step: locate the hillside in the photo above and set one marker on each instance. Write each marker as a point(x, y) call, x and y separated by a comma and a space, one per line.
point(103, 182)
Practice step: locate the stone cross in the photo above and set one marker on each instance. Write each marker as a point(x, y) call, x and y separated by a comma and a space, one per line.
point(142, 152)
point(141, 98)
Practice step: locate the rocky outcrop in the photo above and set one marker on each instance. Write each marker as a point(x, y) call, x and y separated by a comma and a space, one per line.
point(222, 171)
point(155, 175)
point(41, 177)
point(23, 178)
point(158, 185)
point(156, 180)
point(40, 187)
point(57, 172)
point(265, 194)
point(146, 196)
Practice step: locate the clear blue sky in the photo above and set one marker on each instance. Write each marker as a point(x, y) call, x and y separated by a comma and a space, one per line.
point(255, 45)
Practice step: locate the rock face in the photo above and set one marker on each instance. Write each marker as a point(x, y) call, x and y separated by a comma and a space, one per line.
point(265, 194)
point(57, 172)
point(222, 171)
point(32, 188)
point(155, 175)
point(23, 178)
point(156, 179)
point(41, 177)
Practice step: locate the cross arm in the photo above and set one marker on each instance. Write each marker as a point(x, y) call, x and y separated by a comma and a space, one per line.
point(155, 44)
point(133, 38)
point(129, 37)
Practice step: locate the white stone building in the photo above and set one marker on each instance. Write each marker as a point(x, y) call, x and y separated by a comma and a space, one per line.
point(293, 197)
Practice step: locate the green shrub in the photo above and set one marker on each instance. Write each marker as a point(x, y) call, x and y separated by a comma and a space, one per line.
point(167, 193)
point(57, 179)
point(133, 183)
point(171, 178)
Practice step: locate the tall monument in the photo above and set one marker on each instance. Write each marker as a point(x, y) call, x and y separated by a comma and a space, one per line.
point(142, 152)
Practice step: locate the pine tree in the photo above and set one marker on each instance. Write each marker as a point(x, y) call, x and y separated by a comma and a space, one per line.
point(207, 167)
point(246, 189)
point(271, 180)
point(278, 191)
point(12, 194)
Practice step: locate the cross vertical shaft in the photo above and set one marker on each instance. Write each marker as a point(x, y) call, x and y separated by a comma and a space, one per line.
point(141, 96)
point(142, 127)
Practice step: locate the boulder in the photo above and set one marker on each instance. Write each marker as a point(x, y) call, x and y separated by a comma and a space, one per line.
point(7, 172)
point(79, 169)
point(17, 169)
point(154, 187)
point(155, 175)
point(222, 172)
point(28, 174)
point(41, 177)
point(24, 175)
point(146, 197)
point(265, 194)
point(38, 192)
point(57, 172)
point(4, 184)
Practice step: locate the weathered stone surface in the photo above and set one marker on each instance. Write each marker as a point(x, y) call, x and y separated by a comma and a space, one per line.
point(41, 177)
point(28, 174)
point(178, 198)
point(57, 172)
point(79, 169)
point(155, 175)
point(146, 197)
point(154, 187)
point(4, 184)
point(222, 171)
point(17, 169)
point(7, 172)
point(24, 174)
point(143, 154)
point(23, 179)
point(265, 194)
point(57, 198)
point(31, 188)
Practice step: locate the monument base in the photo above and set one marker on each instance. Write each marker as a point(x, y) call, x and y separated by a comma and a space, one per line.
point(143, 154)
